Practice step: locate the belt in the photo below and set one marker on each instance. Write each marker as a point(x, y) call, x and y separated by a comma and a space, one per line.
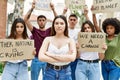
point(91, 61)
point(57, 67)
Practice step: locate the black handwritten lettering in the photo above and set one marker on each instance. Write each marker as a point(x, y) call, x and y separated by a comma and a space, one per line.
point(84, 36)
point(23, 43)
point(97, 36)
point(89, 46)
point(14, 53)
point(109, 6)
point(102, 1)
point(96, 8)
point(90, 41)
point(6, 44)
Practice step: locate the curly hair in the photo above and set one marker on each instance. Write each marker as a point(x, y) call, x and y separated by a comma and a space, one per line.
point(111, 21)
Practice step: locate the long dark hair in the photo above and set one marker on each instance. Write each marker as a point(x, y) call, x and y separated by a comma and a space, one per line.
point(90, 24)
point(53, 32)
point(13, 29)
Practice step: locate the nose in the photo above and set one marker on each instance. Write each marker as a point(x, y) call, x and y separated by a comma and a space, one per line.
point(87, 29)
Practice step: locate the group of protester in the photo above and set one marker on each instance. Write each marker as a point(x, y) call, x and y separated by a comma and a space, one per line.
point(57, 49)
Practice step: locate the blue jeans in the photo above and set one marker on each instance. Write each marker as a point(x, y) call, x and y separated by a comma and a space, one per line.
point(36, 67)
point(63, 74)
point(73, 68)
point(15, 71)
point(110, 71)
point(87, 71)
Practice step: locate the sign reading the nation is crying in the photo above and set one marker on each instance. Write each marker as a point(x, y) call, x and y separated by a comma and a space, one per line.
point(101, 6)
point(91, 42)
point(43, 5)
point(11, 49)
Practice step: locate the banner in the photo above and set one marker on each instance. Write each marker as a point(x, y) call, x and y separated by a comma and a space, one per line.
point(75, 4)
point(11, 49)
point(91, 42)
point(43, 5)
point(109, 6)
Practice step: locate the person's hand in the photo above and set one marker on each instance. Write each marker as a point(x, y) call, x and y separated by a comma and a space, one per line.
point(104, 47)
point(52, 6)
point(33, 4)
point(65, 10)
point(92, 8)
point(86, 10)
point(34, 52)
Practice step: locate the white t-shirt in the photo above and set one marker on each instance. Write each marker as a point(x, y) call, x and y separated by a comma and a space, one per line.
point(89, 55)
point(73, 33)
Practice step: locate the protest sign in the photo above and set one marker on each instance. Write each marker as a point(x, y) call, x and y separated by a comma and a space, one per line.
point(91, 42)
point(101, 6)
point(75, 4)
point(11, 49)
point(43, 5)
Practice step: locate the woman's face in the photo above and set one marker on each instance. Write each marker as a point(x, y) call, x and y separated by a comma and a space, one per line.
point(87, 28)
point(19, 28)
point(110, 30)
point(59, 25)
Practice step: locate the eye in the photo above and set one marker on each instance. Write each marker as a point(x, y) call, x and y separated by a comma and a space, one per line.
point(62, 23)
point(56, 23)
point(22, 26)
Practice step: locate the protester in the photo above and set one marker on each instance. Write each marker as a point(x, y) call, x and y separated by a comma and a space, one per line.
point(111, 63)
point(58, 51)
point(73, 33)
point(16, 69)
point(38, 35)
point(88, 63)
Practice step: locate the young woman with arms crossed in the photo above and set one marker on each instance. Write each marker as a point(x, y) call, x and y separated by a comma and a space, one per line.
point(58, 51)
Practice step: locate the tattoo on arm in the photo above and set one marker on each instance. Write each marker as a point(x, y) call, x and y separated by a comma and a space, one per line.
point(29, 13)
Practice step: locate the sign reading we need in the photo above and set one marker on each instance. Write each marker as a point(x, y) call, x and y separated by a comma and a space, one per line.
point(75, 4)
point(101, 6)
point(43, 5)
point(92, 42)
point(11, 49)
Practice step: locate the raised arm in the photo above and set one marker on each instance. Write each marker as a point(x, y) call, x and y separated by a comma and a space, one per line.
point(64, 11)
point(27, 17)
point(86, 13)
point(95, 21)
point(53, 9)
